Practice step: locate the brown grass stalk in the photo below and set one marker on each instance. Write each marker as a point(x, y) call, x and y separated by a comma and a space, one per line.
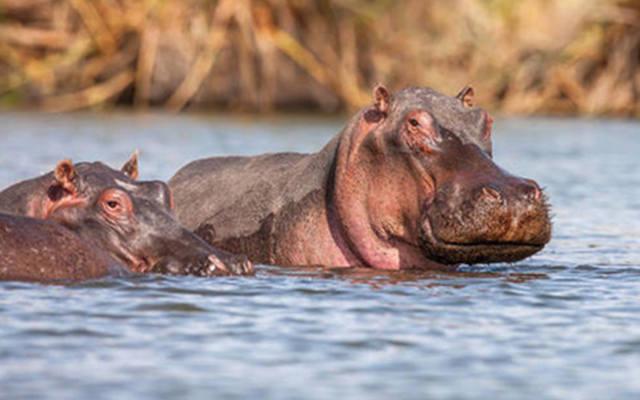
point(90, 96)
point(538, 56)
point(205, 60)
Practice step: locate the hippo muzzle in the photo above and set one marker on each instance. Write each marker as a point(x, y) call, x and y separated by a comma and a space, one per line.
point(485, 217)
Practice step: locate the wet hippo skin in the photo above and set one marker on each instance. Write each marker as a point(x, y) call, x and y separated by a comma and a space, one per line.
point(132, 221)
point(44, 251)
point(409, 183)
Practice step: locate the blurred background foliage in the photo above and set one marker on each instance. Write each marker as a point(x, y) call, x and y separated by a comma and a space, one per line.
point(522, 57)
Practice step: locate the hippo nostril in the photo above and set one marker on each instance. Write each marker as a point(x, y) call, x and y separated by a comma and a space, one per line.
point(531, 190)
point(491, 193)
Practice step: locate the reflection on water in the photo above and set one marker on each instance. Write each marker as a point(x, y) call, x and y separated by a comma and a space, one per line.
point(563, 324)
point(381, 278)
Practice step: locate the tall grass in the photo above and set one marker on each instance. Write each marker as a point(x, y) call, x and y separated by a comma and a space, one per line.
point(534, 56)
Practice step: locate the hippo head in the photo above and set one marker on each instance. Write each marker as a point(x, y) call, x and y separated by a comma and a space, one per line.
point(133, 220)
point(415, 184)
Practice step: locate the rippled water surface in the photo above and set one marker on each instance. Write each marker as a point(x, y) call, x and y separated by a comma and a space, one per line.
point(564, 324)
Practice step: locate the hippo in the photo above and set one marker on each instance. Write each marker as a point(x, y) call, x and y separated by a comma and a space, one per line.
point(132, 221)
point(410, 182)
point(35, 250)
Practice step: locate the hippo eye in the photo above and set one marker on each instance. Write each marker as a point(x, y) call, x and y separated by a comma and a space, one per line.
point(115, 202)
point(414, 122)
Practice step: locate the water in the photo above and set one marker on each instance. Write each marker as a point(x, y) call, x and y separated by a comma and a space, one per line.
point(564, 324)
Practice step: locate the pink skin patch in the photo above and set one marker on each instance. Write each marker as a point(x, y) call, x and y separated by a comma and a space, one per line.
point(488, 127)
point(172, 204)
point(374, 230)
point(43, 208)
point(350, 199)
point(419, 132)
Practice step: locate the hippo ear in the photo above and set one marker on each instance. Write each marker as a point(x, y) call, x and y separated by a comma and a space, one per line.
point(63, 188)
point(466, 96)
point(382, 98)
point(66, 176)
point(63, 191)
point(130, 168)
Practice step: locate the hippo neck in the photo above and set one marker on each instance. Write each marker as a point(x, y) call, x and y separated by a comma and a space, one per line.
point(313, 216)
point(331, 215)
point(308, 213)
point(383, 243)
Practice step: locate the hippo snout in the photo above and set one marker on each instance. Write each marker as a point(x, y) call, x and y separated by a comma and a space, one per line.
point(489, 223)
point(526, 190)
point(232, 264)
point(207, 265)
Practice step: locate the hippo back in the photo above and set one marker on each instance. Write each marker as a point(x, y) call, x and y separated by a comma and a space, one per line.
point(14, 199)
point(35, 250)
point(236, 197)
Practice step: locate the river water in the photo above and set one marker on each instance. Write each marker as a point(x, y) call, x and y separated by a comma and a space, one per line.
point(564, 324)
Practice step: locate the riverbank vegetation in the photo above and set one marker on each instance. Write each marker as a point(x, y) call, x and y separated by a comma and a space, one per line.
point(522, 57)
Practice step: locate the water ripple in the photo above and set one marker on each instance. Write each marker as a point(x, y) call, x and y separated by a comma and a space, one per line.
point(562, 324)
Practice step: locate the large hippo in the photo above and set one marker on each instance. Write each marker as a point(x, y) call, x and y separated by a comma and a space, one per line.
point(132, 221)
point(409, 183)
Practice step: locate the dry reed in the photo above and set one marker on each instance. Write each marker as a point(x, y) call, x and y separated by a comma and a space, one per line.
point(538, 56)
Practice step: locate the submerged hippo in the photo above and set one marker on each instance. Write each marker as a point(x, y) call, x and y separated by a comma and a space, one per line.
point(410, 182)
point(45, 251)
point(131, 221)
